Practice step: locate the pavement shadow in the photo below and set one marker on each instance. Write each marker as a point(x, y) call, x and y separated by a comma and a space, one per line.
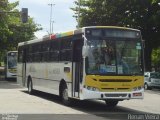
point(9, 84)
point(97, 108)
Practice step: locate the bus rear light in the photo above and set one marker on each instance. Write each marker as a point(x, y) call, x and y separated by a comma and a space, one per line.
point(137, 94)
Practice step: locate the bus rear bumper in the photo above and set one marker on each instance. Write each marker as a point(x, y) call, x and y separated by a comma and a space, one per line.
point(87, 94)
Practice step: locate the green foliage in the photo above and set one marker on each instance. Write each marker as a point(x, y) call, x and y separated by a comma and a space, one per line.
point(4, 30)
point(156, 57)
point(12, 30)
point(140, 14)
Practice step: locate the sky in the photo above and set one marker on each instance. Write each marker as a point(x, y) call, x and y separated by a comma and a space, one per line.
point(62, 15)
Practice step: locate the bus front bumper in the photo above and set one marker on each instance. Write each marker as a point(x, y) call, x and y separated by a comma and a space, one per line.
point(88, 94)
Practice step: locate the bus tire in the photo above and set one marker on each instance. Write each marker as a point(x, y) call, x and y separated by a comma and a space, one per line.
point(64, 96)
point(111, 103)
point(30, 87)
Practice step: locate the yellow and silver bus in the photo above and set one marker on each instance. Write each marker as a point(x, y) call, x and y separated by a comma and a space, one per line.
point(97, 62)
point(11, 65)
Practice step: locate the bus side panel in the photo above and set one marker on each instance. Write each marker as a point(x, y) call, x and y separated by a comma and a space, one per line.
point(19, 74)
point(67, 76)
point(46, 77)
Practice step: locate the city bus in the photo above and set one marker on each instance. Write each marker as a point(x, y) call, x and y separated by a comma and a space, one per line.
point(90, 63)
point(11, 65)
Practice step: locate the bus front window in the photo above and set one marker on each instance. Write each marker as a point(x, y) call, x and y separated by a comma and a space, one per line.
point(128, 54)
point(101, 58)
point(114, 57)
point(12, 61)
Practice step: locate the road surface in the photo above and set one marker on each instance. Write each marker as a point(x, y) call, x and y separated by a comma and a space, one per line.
point(15, 100)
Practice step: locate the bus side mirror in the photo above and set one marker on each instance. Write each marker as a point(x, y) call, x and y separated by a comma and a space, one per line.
point(85, 51)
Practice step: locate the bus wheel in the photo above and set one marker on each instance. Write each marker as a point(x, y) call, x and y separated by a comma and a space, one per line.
point(30, 87)
point(111, 103)
point(64, 96)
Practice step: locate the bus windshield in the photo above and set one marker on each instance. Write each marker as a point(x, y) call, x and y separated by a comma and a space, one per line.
point(12, 60)
point(114, 56)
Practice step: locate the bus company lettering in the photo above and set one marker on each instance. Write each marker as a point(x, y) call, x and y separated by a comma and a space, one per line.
point(32, 69)
point(56, 71)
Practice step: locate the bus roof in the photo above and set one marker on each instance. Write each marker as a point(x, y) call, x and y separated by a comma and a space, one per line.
point(69, 33)
point(113, 27)
point(11, 51)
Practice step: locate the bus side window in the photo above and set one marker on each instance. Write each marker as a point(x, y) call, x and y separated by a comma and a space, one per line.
point(54, 51)
point(66, 50)
point(30, 55)
point(27, 53)
point(37, 53)
point(77, 50)
point(20, 53)
point(45, 51)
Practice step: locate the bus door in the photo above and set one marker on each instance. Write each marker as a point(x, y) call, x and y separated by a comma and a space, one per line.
point(24, 67)
point(77, 68)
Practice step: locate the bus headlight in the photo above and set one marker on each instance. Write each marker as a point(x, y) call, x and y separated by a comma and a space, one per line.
point(88, 88)
point(140, 87)
point(92, 88)
point(137, 88)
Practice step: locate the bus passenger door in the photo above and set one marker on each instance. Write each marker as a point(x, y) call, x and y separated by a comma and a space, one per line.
point(24, 67)
point(77, 68)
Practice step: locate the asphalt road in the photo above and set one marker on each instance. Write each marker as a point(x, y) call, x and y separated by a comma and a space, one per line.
point(16, 103)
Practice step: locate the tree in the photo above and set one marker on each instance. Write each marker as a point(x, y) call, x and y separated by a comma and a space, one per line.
point(4, 30)
point(139, 14)
point(156, 59)
point(12, 30)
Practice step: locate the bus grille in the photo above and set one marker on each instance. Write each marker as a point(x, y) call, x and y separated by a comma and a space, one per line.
point(115, 88)
point(116, 95)
point(115, 80)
